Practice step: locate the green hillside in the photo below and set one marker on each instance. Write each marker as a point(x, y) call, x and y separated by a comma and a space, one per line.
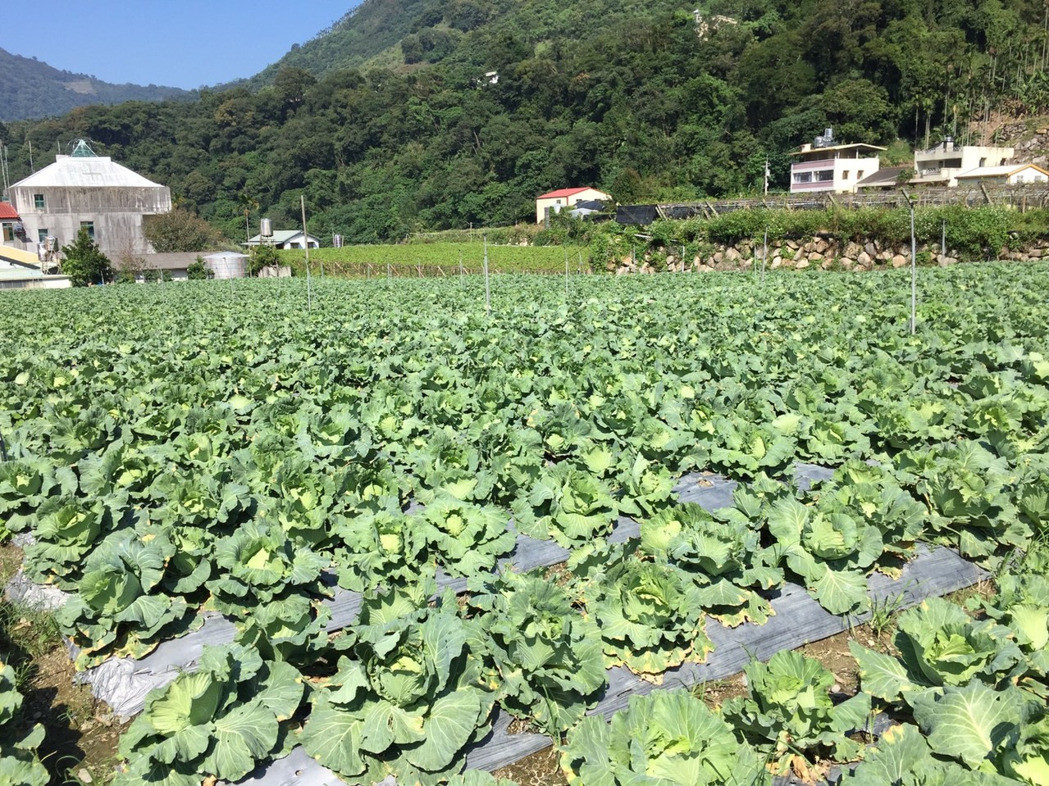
point(31, 88)
point(647, 100)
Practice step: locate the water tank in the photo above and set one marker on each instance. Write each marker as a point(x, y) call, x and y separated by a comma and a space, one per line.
point(227, 265)
point(266, 229)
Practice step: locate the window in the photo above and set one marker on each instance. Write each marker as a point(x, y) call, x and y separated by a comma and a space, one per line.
point(41, 235)
point(90, 227)
point(859, 175)
point(825, 176)
point(8, 233)
point(802, 177)
point(845, 175)
point(38, 201)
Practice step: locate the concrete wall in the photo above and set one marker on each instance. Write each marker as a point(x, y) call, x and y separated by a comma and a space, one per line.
point(47, 282)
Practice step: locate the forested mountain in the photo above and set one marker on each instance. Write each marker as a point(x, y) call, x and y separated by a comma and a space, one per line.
point(31, 88)
point(646, 99)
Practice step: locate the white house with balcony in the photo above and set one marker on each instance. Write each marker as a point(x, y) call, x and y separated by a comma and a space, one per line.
point(825, 166)
point(941, 165)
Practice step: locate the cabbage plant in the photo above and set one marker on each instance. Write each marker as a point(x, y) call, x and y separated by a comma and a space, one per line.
point(219, 721)
point(465, 537)
point(409, 697)
point(666, 738)
point(828, 550)
point(568, 504)
point(788, 713)
point(120, 607)
point(723, 557)
point(650, 614)
point(939, 645)
point(547, 653)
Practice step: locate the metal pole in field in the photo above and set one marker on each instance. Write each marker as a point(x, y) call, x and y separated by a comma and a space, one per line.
point(462, 281)
point(387, 270)
point(306, 243)
point(487, 286)
point(914, 272)
point(943, 237)
point(580, 270)
point(765, 255)
point(566, 271)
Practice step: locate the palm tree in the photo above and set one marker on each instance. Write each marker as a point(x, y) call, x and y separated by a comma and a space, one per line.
point(248, 203)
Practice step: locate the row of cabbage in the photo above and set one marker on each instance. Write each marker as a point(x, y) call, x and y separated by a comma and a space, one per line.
point(967, 692)
point(182, 451)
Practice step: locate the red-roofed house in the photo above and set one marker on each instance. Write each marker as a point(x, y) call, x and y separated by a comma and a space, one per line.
point(8, 219)
point(555, 201)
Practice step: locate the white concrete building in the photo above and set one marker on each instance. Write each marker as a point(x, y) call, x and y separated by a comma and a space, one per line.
point(941, 165)
point(92, 192)
point(824, 166)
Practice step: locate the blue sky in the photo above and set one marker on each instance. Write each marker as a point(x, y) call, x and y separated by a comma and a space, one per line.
point(179, 43)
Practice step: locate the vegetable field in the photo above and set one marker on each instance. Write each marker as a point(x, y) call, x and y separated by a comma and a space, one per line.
point(438, 260)
point(183, 452)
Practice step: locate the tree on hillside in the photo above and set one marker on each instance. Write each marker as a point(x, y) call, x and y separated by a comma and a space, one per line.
point(85, 263)
point(180, 230)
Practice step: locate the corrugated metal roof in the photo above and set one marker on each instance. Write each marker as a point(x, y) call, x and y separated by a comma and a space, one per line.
point(280, 236)
point(835, 148)
point(17, 256)
point(563, 192)
point(89, 172)
point(8, 212)
point(1005, 170)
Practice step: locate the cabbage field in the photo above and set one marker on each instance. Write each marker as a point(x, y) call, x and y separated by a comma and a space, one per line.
point(172, 452)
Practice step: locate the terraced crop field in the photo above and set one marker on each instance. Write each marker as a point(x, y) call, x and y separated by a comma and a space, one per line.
point(336, 479)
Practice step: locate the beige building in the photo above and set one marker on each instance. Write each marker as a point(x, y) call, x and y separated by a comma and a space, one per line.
point(92, 192)
point(556, 201)
point(1007, 174)
point(942, 164)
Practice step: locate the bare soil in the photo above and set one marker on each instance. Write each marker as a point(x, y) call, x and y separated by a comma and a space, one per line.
point(81, 732)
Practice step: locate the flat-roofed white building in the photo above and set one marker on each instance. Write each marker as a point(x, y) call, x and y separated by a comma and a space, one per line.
point(942, 164)
point(85, 191)
point(826, 166)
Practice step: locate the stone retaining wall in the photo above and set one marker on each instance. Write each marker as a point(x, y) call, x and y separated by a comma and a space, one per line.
point(817, 253)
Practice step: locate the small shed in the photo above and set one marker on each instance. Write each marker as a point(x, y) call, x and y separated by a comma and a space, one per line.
point(173, 265)
point(286, 239)
point(556, 201)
